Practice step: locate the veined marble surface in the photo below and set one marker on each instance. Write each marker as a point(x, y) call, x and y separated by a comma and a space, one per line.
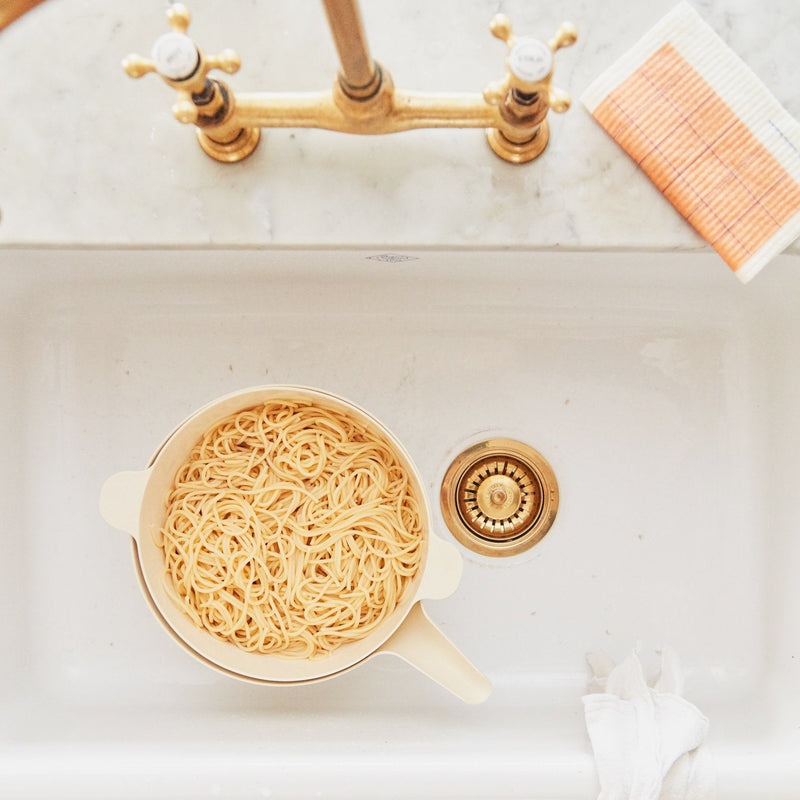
point(89, 156)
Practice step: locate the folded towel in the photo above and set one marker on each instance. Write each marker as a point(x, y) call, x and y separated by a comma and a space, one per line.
point(709, 135)
point(647, 742)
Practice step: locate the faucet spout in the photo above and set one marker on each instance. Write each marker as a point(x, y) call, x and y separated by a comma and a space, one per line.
point(359, 76)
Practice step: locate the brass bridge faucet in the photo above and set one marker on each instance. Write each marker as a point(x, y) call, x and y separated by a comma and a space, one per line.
point(364, 99)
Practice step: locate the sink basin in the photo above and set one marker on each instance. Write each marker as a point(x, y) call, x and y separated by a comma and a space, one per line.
point(663, 394)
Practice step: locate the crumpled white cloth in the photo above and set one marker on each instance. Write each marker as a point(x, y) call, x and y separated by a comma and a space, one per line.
point(647, 742)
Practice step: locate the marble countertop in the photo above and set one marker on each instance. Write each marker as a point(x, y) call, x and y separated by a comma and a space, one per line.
point(88, 156)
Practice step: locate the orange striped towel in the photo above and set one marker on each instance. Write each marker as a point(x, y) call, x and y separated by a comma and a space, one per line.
point(709, 135)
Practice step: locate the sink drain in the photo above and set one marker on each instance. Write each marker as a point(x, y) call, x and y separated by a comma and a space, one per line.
point(499, 497)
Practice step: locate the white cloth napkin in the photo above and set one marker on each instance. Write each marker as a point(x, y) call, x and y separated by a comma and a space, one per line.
point(647, 741)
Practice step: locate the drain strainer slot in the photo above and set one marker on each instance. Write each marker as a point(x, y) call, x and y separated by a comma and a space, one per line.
point(499, 497)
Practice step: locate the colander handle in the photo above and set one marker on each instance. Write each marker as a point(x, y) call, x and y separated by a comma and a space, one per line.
point(443, 568)
point(419, 642)
point(121, 500)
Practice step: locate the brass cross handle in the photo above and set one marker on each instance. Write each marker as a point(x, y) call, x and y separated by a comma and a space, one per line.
point(181, 64)
point(529, 65)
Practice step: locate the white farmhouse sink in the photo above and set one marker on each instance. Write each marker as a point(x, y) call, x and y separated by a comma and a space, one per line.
point(665, 396)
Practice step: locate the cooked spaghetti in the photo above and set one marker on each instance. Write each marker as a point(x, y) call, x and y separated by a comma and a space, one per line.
point(291, 529)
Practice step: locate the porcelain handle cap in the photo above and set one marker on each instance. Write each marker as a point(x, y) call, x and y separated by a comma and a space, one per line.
point(175, 56)
point(530, 60)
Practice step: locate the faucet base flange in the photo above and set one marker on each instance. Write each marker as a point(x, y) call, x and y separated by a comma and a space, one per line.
point(519, 153)
point(235, 150)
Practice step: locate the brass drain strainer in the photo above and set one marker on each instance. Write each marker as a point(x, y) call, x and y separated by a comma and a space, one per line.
point(499, 497)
